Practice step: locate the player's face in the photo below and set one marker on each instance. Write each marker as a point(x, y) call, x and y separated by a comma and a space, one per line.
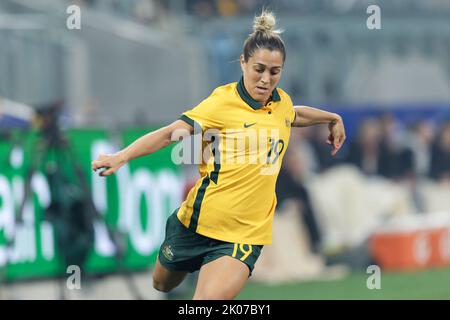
point(262, 72)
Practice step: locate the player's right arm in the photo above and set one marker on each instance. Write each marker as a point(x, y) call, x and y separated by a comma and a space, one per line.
point(145, 145)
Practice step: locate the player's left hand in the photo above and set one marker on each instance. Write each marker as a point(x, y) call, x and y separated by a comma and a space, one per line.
point(337, 135)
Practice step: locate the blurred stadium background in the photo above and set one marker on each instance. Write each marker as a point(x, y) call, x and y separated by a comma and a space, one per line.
point(67, 95)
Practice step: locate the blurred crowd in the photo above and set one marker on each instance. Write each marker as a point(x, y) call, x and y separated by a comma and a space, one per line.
point(146, 10)
point(149, 11)
point(224, 8)
point(383, 146)
point(143, 9)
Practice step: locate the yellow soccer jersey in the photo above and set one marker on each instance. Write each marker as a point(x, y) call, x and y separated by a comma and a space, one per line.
point(234, 200)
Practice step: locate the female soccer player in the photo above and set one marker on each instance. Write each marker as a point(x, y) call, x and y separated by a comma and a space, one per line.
point(227, 216)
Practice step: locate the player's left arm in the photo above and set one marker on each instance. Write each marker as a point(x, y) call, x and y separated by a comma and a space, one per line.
point(308, 116)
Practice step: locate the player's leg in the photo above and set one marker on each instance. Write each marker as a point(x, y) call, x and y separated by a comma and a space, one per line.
point(221, 279)
point(170, 268)
point(165, 280)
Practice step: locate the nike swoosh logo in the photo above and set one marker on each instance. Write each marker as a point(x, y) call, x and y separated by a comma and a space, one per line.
point(249, 125)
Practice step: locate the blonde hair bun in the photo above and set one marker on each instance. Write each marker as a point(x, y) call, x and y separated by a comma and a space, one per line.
point(265, 23)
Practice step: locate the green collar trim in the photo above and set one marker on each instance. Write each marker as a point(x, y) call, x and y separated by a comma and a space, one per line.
point(249, 100)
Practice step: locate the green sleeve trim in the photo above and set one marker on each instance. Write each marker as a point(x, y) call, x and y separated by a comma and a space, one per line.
point(194, 124)
point(187, 120)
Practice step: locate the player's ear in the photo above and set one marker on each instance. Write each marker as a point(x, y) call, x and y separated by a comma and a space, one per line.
point(242, 61)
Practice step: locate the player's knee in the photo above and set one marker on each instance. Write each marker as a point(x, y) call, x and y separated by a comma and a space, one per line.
point(161, 285)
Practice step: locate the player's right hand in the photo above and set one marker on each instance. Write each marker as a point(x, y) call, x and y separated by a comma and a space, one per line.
point(111, 163)
point(336, 137)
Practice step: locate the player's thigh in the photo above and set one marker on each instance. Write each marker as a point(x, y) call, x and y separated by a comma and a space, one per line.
point(166, 280)
point(221, 279)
